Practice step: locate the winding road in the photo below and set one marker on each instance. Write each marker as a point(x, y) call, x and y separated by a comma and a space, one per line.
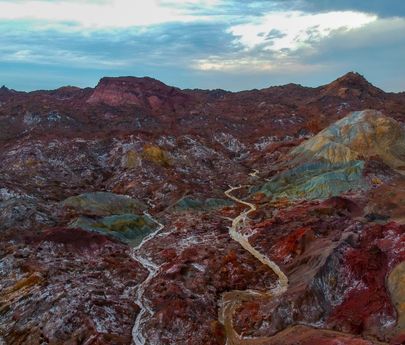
point(153, 269)
point(232, 300)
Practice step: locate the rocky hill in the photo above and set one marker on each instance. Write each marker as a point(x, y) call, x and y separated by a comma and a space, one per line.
point(115, 226)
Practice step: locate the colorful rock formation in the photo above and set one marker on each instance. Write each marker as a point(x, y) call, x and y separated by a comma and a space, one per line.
point(115, 229)
point(362, 134)
point(102, 204)
point(333, 161)
point(129, 228)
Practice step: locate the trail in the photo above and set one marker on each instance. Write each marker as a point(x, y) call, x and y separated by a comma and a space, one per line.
point(244, 242)
point(153, 269)
point(233, 299)
point(254, 173)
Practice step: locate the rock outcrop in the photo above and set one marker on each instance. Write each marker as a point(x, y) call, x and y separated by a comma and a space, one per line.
point(351, 84)
point(360, 135)
point(142, 92)
point(333, 161)
point(102, 204)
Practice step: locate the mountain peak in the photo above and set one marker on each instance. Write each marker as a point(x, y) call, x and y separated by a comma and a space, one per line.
point(4, 89)
point(351, 84)
point(353, 76)
point(145, 91)
point(130, 81)
point(352, 79)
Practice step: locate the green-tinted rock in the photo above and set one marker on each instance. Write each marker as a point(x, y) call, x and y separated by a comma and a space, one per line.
point(202, 204)
point(129, 228)
point(364, 133)
point(216, 203)
point(316, 180)
point(331, 162)
point(103, 204)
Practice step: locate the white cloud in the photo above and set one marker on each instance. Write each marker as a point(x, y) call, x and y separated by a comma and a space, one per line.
point(253, 65)
point(58, 57)
point(296, 29)
point(216, 63)
point(102, 14)
point(268, 43)
point(260, 39)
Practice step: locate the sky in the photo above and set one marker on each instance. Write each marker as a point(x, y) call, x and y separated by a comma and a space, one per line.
point(208, 44)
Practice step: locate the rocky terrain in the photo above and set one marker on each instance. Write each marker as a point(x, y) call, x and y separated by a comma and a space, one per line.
point(139, 213)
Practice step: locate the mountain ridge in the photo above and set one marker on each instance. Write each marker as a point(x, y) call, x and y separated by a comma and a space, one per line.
point(349, 77)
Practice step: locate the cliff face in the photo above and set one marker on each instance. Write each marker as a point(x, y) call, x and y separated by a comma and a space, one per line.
point(114, 222)
point(142, 92)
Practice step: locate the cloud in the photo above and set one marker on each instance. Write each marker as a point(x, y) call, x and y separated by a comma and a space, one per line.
point(376, 50)
point(296, 28)
point(160, 46)
point(58, 57)
point(254, 65)
point(102, 14)
point(385, 8)
point(199, 43)
point(268, 43)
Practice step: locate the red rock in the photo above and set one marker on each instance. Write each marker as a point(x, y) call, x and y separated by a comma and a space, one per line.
point(290, 245)
point(142, 92)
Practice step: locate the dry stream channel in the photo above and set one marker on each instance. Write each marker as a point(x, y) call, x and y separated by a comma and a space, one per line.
point(232, 300)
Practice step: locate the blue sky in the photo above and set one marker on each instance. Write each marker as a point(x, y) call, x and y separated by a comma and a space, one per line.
point(227, 44)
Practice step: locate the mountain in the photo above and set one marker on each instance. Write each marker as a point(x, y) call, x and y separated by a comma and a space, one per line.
point(351, 85)
point(128, 103)
point(118, 223)
point(142, 92)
